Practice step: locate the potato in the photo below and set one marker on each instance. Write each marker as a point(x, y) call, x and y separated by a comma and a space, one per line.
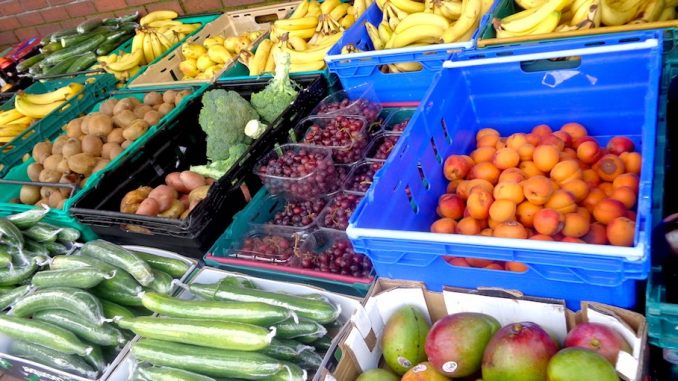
point(72, 147)
point(92, 145)
point(34, 170)
point(130, 203)
point(153, 117)
point(58, 144)
point(148, 207)
point(115, 152)
point(63, 166)
point(184, 200)
point(192, 180)
point(67, 179)
point(108, 106)
point(84, 125)
point(42, 151)
point(169, 96)
point(180, 95)
point(174, 211)
point(164, 194)
point(125, 144)
point(135, 101)
point(184, 214)
point(140, 111)
point(174, 180)
point(82, 163)
point(135, 130)
point(42, 202)
point(55, 199)
point(122, 105)
point(73, 128)
point(49, 176)
point(198, 194)
point(165, 108)
point(45, 192)
point(101, 164)
point(52, 162)
point(107, 148)
point(100, 125)
point(115, 136)
point(29, 194)
point(124, 118)
point(153, 98)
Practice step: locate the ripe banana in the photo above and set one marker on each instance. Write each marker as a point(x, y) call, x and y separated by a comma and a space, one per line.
point(157, 15)
point(301, 10)
point(34, 111)
point(650, 11)
point(314, 8)
point(127, 62)
point(450, 9)
point(60, 94)
point(270, 61)
point(373, 34)
point(164, 23)
point(156, 46)
point(421, 18)
point(385, 32)
point(347, 21)
point(668, 13)
point(297, 43)
point(415, 34)
point(408, 6)
point(147, 49)
point(339, 11)
point(359, 7)
point(528, 4)
point(619, 12)
point(308, 66)
point(23, 121)
point(297, 24)
point(258, 62)
point(549, 24)
point(328, 5)
point(581, 13)
point(470, 15)
point(10, 116)
point(526, 20)
point(138, 40)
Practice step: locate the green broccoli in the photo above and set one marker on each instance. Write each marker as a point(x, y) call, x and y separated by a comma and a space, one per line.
point(278, 94)
point(216, 169)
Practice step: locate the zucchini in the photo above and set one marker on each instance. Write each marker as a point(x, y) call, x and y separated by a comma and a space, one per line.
point(7, 298)
point(122, 19)
point(10, 234)
point(96, 359)
point(75, 50)
point(317, 310)
point(289, 329)
point(67, 363)
point(240, 312)
point(69, 234)
point(42, 232)
point(166, 373)
point(204, 333)
point(88, 25)
point(122, 281)
point(174, 267)
point(56, 248)
point(113, 294)
point(56, 36)
point(120, 257)
point(113, 310)
point(162, 282)
point(106, 335)
point(26, 64)
point(15, 274)
point(310, 360)
point(237, 281)
point(287, 350)
point(77, 301)
point(85, 277)
point(51, 48)
point(207, 361)
point(46, 334)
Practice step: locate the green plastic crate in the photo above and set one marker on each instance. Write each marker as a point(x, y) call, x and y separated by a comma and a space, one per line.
point(12, 153)
point(58, 219)
point(662, 317)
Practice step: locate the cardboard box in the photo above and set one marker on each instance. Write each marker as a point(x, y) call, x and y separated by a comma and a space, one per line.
point(208, 275)
point(32, 371)
point(359, 349)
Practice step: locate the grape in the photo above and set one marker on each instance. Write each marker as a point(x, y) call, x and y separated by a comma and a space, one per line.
point(346, 136)
point(382, 147)
point(399, 127)
point(361, 179)
point(299, 214)
point(339, 210)
point(361, 106)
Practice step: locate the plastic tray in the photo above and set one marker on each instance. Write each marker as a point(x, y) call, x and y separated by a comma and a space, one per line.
point(466, 97)
point(362, 67)
point(12, 153)
point(662, 317)
point(505, 8)
point(179, 145)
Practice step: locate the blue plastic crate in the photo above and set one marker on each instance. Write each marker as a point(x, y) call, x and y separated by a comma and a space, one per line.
point(358, 68)
point(612, 91)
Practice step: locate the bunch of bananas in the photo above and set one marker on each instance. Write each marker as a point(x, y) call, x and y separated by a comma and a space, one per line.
point(546, 16)
point(30, 107)
point(158, 32)
point(204, 61)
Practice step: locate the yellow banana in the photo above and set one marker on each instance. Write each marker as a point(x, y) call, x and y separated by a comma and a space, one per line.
point(547, 26)
point(527, 4)
point(328, 5)
point(308, 66)
point(421, 18)
point(385, 32)
point(347, 21)
point(314, 9)
point(409, 6)
point(185, 28)
point(301, 10)
point(258, 62)
point(580, 14)
point(157, 15)
point(127, 62)
point(25, 120)
point(33, 110)
point(373, 34)
point(359, 7)
point(307, 55)
point(450, 9)
point(165, 43)
point(650, 11)
point(147, 49)
point(10, 116)
point(270, 61)
point(408, 66)
point(297, 24)
point(415, 34)
point(297, 43)
point(485, 6)
point(163, 23)
point(138, 40)
point(339, 11)
point(470, 15)
point(156, 45)
point(620, 12)
point(60, 94)
point(531, 19)
point(669, 13)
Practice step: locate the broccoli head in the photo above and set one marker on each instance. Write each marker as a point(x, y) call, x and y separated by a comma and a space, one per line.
point(278, 94)
point(216, 169)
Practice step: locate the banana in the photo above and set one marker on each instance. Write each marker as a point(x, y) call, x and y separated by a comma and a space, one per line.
point(314, 9)
point(156, 46)
point(163, 23)
point(304, 33)
point(60, 94)
point(258, 62)
point(301, 10)
point(270, 61)
point(531, 19)
point(668, 13)
point(485, 6)
point(619, 12)
point(297, 43)
point(138, 40)
point(527, 4)
point(328, 5)
point(470, 15)
point(359, 7)
point(385, 32)
point(349, 49)
point(581, 13)
point(548, 25)
point(147, 49)
point(408, 66)
point(165, 44)
point(185, 28)
point(373, 34)
point(308, 66)
point(297, 24)
point(127, 62)
point(650, 11)
point(25, 120)
point(415, 34)
point(316, 53)
point(450, 9)
point(409, 6)
point(34, 111)
point(421, 18)
point(339, 11)
point(156, 16)
point(347, 21)
point(10, 116)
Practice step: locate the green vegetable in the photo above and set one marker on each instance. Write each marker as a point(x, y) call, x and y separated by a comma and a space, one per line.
point(73, 300)
point(42, 232)
point(254, 129)
point(96, 358)
point(67, 363)
point(112, 310)
point(174, 267)
point(169, 374)
point(118, 256)
point(106, 335)
point(121, 282)
point(217, 169)
point(46, 334)
point(5, 258)
point(162, 282)
point(26, 64)
point(55, 248)
point(288, 350)
point(10, 234)
point(15, 275)
point(8, 297)
point(289, 329)
point(278, 94)
point(68, 235)
point(86, 277)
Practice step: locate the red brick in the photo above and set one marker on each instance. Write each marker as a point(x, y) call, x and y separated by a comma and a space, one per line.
point(202, 6)
point(83, 8)
point(12, 8)
point(30, 18)
point(59, 2)
point(72, 23)
point(129, 11)
point(7, 38)
point(46, 29)
point(25, 33)
point(54, 14)
point(139, 2)
point(33, 5)
point(109, 5)
point(235, 4)
point(9, 23)
point(166, 6)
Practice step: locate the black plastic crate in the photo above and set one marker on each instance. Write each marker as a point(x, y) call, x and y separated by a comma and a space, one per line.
point(178, 146)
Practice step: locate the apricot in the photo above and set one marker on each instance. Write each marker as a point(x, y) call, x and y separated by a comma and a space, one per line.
point(485, 171)
point(593, 198)
point(632, 161)
point(584, 212)
point(537, 189)
point(568, 154)
point(621, 231)
point(483, 154)
point(545, 157)
point(444, 225)
point(562, 201)
point(451, 206)
point(565, 171)
point(575, 130)
point(479, 203)
point(548, 221)
point(565, 137)
point(487, 232)
point(575, 225)
point(468, 226)
point(597, 234)
point(631, 215)
point(477, 262)
point(627, 180)
point(578, 188)
point(510, 229)
point(589, 152)
point(579, 141)
point(488, 140)
point(607, 188)
point(526, 151)
point(530, 169)
point(555, 185)
point(503, 210)
point(486, 131)
point(459, 262)
point(620, 144)
point(591, 177)
point(506, 158)
point(509, 191)
point(516, 140)
point(541, 237)
point(533, 139)
point(465, 187)
point(572, 240)
point(512, 175)
point(492, 224)
point(625, 195)
point(607, 210)
point(542, 130)
point(452, 186)
point(554, 141)
point(608, 167)
point(517, 267)
point(525, 213)
point(456, 167)
point(494, 266)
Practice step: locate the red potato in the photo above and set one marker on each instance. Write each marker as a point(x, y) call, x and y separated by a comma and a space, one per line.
point(164, 195)
point(184, 199)
point(149, 207)
point(192, 180)
point(174, 180)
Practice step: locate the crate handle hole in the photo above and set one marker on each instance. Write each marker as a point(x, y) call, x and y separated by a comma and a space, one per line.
point(265, 19)
point(435, 151)
point(443, 125)
point(413, 204)
point(558, 63)
point(401, 68)
point(422, 176)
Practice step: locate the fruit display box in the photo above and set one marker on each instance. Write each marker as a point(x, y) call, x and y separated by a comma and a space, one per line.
point(504, 8)
point(207, 275)
point(466, 98)
point(360, 347)
point(357, 68)
point(31, 370)
point(165, 71)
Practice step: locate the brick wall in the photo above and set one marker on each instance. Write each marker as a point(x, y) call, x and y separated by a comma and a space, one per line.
point(21, 19)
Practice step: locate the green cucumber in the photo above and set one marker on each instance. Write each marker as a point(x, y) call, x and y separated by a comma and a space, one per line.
point(122, 281)
point(42, 232)
point(74, 300)
point(307, 339)
point(88, 25)
point(317, 310)
point(83, 62)
point(110, 45)
point(120, 257)
point(46, 334)
point(323, 344)
point(51, 48)
point(20, 256)
point(166, 373)
point(290, 372)
point(67, 363)
point(75, 50)
point(69, 234)
point(77, 278)
point(289, 329)
point(26, 64)
point(162, 282)
point(174, 267)
point(115, 311)
point(10, 234)
point(122, 19)
point(207, 361)
point(59, 68)
point(237, 281)
point(36, 248)
point(5, 257)
point(56, 248)
point(240, 312)
point(287, 350)
point(106, 335)
point(56, 36)
point(310, 360)
point(104, 291)
point(68, 41)
point(96, 359)
point(15, 275)
point(7, 298)
point(204, 333)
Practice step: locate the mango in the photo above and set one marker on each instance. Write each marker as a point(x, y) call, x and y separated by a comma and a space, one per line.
point(377, 375)
point(423, 372)
point(404, 339)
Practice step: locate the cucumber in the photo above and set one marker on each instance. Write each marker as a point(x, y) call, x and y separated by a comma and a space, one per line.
point(237, 281)
point(106, 335)
point(323, 344)
point(307, 339)
point(77, 301)
point(50, 48)
point(60, 68)
point(20, 257)
point(77, 278)
point(46, 334)
point(287, 350)
point(67, 363)
point(162, 282)
point(15, 275)
point(207, 361)
point(290, 372)
point(110, 45)
point(55, 248)
point(310, 360)
point(120, 257)
point(68, 41)
point(165, 373)
point(289, 329)
point(5, 257)
point(7, 298)
point(96, 359)
point(317, 310)
point(113, 310)
point(122, 19)
point(204, 333)
point(10, 234)
point(56, 36)
point(174, 267)
point(122, 281)
point(36, 248)
point(113, 294)
point(75, 50)
point(69, 234)
point(88, 25)
point(83, 62)
point(26, 64)
point(240, 312)
point(42, 232)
